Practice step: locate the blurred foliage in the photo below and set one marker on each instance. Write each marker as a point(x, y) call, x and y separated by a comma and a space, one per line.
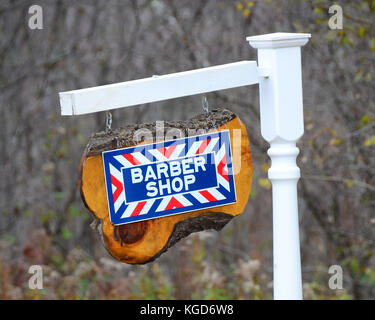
point(76, 276)
point(83, 44)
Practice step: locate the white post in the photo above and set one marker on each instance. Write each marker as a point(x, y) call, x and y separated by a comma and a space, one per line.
point(281, 116)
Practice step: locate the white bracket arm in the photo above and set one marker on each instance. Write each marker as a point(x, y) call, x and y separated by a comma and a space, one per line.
point(159, 88)
point(281, 117)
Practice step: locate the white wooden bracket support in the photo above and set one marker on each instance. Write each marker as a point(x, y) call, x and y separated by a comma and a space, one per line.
point(281, 117)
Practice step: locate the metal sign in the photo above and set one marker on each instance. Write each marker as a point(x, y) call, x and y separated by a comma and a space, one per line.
point(171, 177)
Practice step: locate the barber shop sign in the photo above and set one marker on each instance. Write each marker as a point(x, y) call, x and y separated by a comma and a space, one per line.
point(170, 177)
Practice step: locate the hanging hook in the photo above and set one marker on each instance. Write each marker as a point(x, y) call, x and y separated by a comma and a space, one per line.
point(205, 105)
point(108, 122)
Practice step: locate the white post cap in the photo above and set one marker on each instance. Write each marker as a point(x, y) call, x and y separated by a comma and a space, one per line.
point(278, 40)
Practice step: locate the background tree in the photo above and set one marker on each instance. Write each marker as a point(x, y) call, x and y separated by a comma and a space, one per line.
point(87, 43)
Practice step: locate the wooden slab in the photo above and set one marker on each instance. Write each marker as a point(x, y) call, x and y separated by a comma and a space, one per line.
point(144, 241)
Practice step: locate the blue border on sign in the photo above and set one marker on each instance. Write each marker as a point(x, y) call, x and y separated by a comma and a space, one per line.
point(180, 192)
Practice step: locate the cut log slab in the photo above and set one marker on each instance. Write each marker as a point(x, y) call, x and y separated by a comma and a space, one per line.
point(144, 241)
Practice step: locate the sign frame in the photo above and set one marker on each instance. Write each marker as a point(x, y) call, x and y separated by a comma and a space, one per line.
point(224, 140)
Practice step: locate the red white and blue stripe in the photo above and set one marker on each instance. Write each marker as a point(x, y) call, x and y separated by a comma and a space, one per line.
point(202, 177)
